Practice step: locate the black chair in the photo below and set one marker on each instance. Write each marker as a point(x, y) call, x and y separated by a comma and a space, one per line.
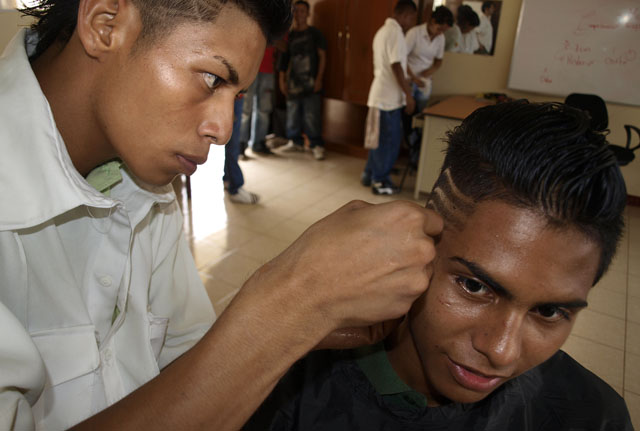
point(597, 110)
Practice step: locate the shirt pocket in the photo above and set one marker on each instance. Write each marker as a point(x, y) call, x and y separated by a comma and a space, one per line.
point(157, 332)
point(67, 352)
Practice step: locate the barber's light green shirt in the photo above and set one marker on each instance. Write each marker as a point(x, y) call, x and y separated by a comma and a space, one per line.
point(374, 363)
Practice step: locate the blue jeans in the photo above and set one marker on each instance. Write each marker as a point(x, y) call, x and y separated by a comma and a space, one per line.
point(232, 172)
point(257, 110)
point(382, 159)
point(304, 114)
point(421, 96)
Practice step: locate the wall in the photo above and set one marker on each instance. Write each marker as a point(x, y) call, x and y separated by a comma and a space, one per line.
point(472, 74)
point(10, 22)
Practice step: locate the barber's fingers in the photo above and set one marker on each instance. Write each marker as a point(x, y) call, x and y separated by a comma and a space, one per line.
point(350, 338)
point(433, 223)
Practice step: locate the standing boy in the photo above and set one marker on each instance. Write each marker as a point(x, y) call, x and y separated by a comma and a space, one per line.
point(301, 74)
point(390, 92)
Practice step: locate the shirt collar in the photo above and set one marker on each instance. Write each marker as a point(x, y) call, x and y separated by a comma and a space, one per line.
point(374, 363)
point(38, 178)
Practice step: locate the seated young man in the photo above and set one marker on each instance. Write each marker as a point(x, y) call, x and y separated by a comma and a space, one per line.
point(532, 202)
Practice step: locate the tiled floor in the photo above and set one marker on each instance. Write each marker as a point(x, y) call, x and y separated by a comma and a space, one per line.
point(230, 241)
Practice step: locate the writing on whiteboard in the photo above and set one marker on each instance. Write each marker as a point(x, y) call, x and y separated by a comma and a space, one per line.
point(584, 46)
point(545, 78)
point(627, 56)
point(593, 21)
point(580, 54)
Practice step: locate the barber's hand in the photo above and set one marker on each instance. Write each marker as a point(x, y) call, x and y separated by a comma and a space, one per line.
point(411, 105)
point(362, 265)
point(349, 338)
point(419, 82)
point(317, 86)
point(283, 89)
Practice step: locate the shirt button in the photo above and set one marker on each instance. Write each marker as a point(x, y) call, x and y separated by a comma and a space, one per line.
point(105, 281)
point(108, 357)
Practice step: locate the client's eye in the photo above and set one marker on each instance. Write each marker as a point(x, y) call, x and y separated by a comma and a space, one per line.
point(551, 312)
point(470, 285)
point(212, 81)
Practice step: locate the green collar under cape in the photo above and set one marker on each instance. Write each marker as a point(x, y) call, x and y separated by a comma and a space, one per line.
point(374, 363)
point(105, 176)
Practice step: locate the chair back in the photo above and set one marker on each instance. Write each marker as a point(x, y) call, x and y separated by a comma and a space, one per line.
point(595, 107)
point(628, 128)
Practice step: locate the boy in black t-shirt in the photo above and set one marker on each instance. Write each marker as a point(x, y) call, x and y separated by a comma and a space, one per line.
point(301, 73)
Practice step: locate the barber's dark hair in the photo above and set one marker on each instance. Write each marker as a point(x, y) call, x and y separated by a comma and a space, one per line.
point(467, 15)
point(56, 19)
point(306, 3)
point(486, 5)
point(404, 6)
point(442, 15)
point(542, 156)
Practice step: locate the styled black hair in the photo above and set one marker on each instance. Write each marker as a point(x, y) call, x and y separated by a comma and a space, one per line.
point(56, 19)
point(467, 15)
point(404, 6)
point(486, 5)
point(542, 156)
point(442, 15)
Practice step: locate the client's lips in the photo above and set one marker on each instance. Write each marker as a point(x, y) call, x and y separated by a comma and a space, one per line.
point(189, 164)
point(472, 379)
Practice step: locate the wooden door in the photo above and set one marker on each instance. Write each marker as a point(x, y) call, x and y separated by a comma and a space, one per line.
point(329, 17)
point(364, 18)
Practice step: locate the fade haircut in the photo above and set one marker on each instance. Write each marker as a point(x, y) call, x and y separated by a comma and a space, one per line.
point(56, 19)
point(405, 6)
point(539, 156)
point(442, 15)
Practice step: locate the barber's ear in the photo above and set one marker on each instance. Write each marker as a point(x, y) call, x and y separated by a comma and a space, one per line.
point(105, 25)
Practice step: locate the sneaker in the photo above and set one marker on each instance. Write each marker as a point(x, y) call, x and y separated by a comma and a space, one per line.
point(365, 179)
point(384, 189)
point(262, 150)
point(244, 197)
point(291, 147)
point(318, 152)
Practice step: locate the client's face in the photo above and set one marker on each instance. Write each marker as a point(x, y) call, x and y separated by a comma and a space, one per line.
point(504, 296)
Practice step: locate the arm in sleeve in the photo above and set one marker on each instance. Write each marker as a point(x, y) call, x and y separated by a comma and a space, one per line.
point(396, 48)
point(22, 373)
point(176, 291)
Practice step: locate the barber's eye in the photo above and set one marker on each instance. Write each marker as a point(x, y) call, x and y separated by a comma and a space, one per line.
point(212, 81)
point(470, 285)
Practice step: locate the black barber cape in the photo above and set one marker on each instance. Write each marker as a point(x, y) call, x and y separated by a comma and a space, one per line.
point(358, 390)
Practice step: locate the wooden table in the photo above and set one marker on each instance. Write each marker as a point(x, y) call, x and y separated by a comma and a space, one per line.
point(435, 121)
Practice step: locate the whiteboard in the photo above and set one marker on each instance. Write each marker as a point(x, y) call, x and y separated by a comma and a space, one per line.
point(578, 46)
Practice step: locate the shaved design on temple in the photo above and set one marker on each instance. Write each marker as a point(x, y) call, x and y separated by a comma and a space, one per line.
point(448, 201)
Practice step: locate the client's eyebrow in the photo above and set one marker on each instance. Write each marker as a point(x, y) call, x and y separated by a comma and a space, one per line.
point(483, 276)
point(233, 73)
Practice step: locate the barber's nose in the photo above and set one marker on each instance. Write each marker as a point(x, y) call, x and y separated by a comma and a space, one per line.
point(500, 339)
point(217, 120)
